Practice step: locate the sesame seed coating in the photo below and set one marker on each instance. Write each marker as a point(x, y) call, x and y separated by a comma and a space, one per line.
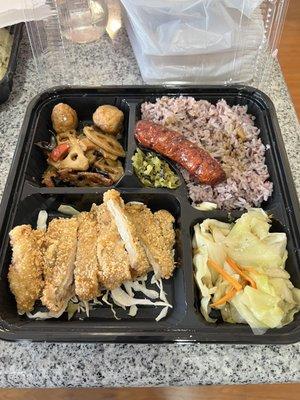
point(86, 264)
point(157, 235)
point(61, 247)
point(127, 230)
point(25, 272)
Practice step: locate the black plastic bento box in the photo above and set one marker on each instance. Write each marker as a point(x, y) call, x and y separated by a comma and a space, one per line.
point(24, 197)
point(7, 81)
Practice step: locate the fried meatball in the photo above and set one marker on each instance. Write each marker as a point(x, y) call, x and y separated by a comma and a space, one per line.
point(109, 119)
point(64, 118)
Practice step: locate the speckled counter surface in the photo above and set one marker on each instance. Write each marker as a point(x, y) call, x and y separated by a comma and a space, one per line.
point(67, 364)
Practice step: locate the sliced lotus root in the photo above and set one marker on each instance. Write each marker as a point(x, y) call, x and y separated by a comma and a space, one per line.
point(105, 142)
point(66, 136)
point(75, 160)
point(84, 178)
point(87, 144)
point(107, 155)
point(91, 155)
point(72, 135)
point(50, 173)
point(113, 168)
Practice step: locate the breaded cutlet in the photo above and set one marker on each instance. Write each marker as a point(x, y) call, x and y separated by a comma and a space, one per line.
point(157, 236)
point(86, 264)
point(25, 273)
point(60, 254)
point(114, 266)
point(137, 255)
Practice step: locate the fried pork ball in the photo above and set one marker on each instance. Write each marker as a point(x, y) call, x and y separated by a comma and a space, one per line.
point(109, 119)
point(64, 118)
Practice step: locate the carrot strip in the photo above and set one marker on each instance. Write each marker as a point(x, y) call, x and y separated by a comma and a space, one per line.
point(251, 269)
point(225, 275)
point(237, 269)
point(228, 296)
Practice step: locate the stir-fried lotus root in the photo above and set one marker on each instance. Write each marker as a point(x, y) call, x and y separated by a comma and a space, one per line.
point(48, 176)
point(75, 160)
point(92, 155)
point(87, 144)
point(113, 168)
point(82, 179)
point(66, 136)
point(108, 143)
point(87, 157)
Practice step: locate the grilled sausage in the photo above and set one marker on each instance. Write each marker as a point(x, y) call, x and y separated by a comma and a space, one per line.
point(173, 145)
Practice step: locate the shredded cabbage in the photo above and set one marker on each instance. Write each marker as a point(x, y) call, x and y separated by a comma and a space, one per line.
point(72, 309)
point(162, 314)
point(105, 300)
point(128, 287)
point(260, 254)
point(138, 287)
point(123, 298)
point(67, 210)
point(41, 315)
point(41, 222)
point(133, 310)
point(206, 206)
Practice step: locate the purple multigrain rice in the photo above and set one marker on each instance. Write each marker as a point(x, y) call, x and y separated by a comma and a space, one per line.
point(216, 128)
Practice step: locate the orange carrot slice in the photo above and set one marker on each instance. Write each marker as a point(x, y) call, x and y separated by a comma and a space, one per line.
point(228, 296)
point(225, 275)
point(237, 269)
point(251, 269)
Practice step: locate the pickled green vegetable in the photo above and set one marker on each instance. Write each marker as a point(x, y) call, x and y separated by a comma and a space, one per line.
point(153, 171)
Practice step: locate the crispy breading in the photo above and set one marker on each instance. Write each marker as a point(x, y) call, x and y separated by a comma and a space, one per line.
point(136, 252)
point(25, 273)
point(151, 230)
point(86, 264)
point(166, 222)
point(114, 266)
point(105, 247)
point(61, 244)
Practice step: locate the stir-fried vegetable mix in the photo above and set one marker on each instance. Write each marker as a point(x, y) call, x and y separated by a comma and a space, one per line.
point(153, 171)
point(240, 271)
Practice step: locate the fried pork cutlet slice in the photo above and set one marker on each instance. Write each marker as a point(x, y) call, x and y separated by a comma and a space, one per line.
point(114, 266)
point(25, 272)
point(60, 254)
point(137, 255)
point(86, 264)
point(151, 231)
point(166, 222)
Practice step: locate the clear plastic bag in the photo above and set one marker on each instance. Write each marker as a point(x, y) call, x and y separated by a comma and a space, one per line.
point(186, 41)
point(164, 27)
point(195, 40)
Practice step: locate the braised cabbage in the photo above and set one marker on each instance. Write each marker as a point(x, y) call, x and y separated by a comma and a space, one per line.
point(272, 300)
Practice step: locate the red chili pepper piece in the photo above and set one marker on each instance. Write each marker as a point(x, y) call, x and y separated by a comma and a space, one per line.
point(59, 151)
